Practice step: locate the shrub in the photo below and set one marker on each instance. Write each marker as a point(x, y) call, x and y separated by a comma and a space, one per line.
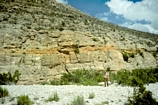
point(121, 77)
point(76, 49)
point(78, 101)
point(126, 56)
point(8, 78)
point(61, 29)
point(44, 83)
point(94, 39)
point(55, 97)
point(84, 77)
point(136, 77)
point(3, 92)
point(24, 100)
point(91, 95)
point(55, 82)
point(103, 103)
point(142, 97)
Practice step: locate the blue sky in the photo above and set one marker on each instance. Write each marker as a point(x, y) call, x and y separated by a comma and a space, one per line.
point(136, 14)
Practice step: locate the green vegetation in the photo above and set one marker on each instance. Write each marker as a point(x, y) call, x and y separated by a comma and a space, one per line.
point(8, 78)
point(55, 97)
point(55, 82)
point(138, 78)
point(141, 97)
point(24, 100)
point(103, 103)
point(95, 39)
point(135, 77)
point(76, 49)
point(79, 77)
point(126, 56)
point(3, 92)
point(91, 95)
point(84, 77)
point(78, 101)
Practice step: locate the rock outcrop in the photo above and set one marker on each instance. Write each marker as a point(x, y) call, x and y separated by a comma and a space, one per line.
point(43, 41)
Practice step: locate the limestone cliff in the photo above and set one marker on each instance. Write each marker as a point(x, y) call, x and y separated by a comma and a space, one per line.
point(43, 39)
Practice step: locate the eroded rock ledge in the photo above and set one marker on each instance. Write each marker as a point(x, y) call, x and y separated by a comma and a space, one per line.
point(58, 52)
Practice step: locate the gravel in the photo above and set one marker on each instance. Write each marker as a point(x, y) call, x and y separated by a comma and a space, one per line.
point(113, 95)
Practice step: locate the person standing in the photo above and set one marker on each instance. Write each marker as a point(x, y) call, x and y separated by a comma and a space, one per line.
point(106, 77)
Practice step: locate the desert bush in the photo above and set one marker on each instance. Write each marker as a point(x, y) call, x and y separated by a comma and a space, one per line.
point(8, 78)
point(3, 92)
point(103, 103)
point(121, 77)
point(44, 83)
point(91, 95)
point(95, 39)
point(84, 77)
point(78, 101)
point(135, 77)
point(24, 100)
point(55, 97)
point(141, 97)
point(55, 82)
point(76, 49)
point(126, 56)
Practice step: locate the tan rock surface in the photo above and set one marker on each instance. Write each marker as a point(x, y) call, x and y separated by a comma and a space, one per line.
point(44, 40)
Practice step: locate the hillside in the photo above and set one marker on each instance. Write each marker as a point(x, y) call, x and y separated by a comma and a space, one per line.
point(44, 39)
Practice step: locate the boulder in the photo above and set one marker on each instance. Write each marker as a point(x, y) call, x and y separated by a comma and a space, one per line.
point(114, 60)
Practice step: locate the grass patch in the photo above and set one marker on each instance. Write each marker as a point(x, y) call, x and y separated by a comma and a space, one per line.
point(78, 101)
point(55, 97)
point(91, 95)
point(3, 92)
point(24, 100)
point(103, 103)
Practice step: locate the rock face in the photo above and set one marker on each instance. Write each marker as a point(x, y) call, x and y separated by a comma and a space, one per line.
point(42, 42)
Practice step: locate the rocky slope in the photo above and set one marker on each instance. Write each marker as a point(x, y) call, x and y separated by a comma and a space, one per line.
point(45, 39)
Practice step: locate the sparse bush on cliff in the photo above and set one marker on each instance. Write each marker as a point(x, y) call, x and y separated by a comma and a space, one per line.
point(126, 56)
point(3, 92)
point(8, 78)
point(76, 49)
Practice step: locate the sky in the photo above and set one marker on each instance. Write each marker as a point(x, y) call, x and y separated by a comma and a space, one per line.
point(136, 14)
